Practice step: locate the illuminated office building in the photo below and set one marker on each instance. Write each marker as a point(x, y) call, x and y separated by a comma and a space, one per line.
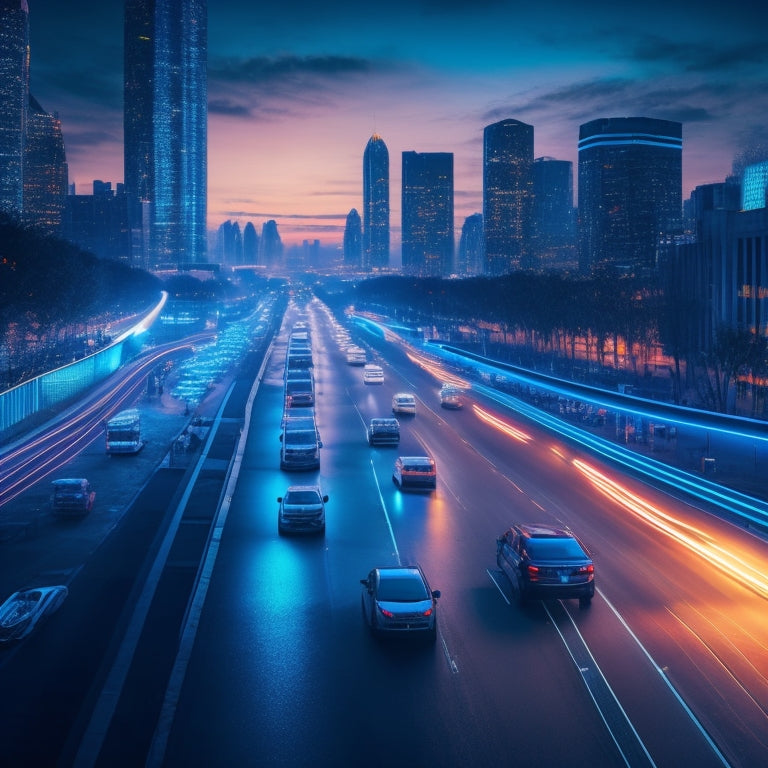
point(630, 192)
point(754, 187)
point(375, 204)
point(427, 214)
point(507, 196)
point(45, 171)
point(165, 128)
point(14, 101)
point(353, 240)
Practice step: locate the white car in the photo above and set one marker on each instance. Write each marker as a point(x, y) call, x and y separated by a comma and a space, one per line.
point(404, 402)
point(373, 374)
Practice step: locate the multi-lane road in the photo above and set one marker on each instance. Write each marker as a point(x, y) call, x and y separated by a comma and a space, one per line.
point(275, 666)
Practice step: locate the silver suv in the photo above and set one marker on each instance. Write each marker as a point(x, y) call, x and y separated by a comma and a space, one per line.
point(302, 510)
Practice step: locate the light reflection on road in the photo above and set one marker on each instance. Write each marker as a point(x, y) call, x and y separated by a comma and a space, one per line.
point(694, 539)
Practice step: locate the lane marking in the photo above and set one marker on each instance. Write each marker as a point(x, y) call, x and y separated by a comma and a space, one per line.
point(667, 682)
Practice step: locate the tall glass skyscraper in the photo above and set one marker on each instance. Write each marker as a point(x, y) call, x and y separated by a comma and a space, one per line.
point(165, 128)
point(630, 191)
point(45, 171)
point(507, 196)
point(427, 211)
point(553, 214)
point(14, 100)
point(375, 204)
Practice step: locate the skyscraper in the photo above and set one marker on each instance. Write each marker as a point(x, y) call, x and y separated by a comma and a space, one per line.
point(553, 214)
point(353, 240)
point(14, 101)
point(471, 251)
point(427, 211)
point(270, 245)
point(45, 171)
point(250, 244)
point(165, 127)
point(630, 191)
point(507, 195)
point(375, 204)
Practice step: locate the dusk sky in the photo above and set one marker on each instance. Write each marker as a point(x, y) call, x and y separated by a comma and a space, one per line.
point(296, 88)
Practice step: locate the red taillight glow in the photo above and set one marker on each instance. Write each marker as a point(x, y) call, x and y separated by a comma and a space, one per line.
point(388, 614)
point(587, 569)
point(428, 612)
point(533, 570)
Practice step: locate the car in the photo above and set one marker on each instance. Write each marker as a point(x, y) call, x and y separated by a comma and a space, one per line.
point(373, 374)
point(356, 355)
point(302, 510)
point(397, 600)
point(384, 431)
point(415, 472)
point(72, 497)
point(451, 397)
point(546, 562)
point(403, 402)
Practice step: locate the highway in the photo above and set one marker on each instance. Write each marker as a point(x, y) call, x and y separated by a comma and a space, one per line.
point(666, 667)
point(276, 667)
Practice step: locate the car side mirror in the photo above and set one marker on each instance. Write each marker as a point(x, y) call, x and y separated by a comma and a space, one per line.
point(364, 582)
point(279, 499)
point(319, 443)
point(325, 498)
point(436, 593)
point(281, 437)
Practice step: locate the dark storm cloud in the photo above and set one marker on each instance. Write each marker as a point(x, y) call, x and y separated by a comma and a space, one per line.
point(706, 57)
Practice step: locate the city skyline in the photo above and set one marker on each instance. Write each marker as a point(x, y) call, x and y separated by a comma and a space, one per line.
point(293, 104)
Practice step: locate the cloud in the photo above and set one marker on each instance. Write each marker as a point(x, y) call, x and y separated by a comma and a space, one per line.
point(272, 71)
point(705, 57)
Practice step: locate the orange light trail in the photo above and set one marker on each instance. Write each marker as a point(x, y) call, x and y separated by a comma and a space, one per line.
point(695, 540)
point(502, 426)
point(438, 371)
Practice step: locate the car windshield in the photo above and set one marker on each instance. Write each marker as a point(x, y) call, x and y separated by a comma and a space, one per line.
point(302, 497)
point(417, 466)
point(303, 437)
point(402, 589)
point(554, 549)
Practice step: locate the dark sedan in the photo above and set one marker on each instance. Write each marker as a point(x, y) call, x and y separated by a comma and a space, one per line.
point(546, 562)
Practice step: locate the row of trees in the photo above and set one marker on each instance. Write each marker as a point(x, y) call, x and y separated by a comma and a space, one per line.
point(51, 292)
point(560, 316)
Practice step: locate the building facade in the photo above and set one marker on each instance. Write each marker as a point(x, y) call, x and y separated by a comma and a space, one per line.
point(99, 222)
point(754, 186)
point(471, 253)
point(507, 196)
point(630, 192)
point(165, 129)
point(14, 102)
point(353, 240)
point(375, 204)
point(427, 214)
point(45, 171)
point(554, 219)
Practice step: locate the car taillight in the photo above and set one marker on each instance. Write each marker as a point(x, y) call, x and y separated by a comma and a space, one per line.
point(533, 572)
point(428, 612)
point(586, 569)
point(388, 614)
